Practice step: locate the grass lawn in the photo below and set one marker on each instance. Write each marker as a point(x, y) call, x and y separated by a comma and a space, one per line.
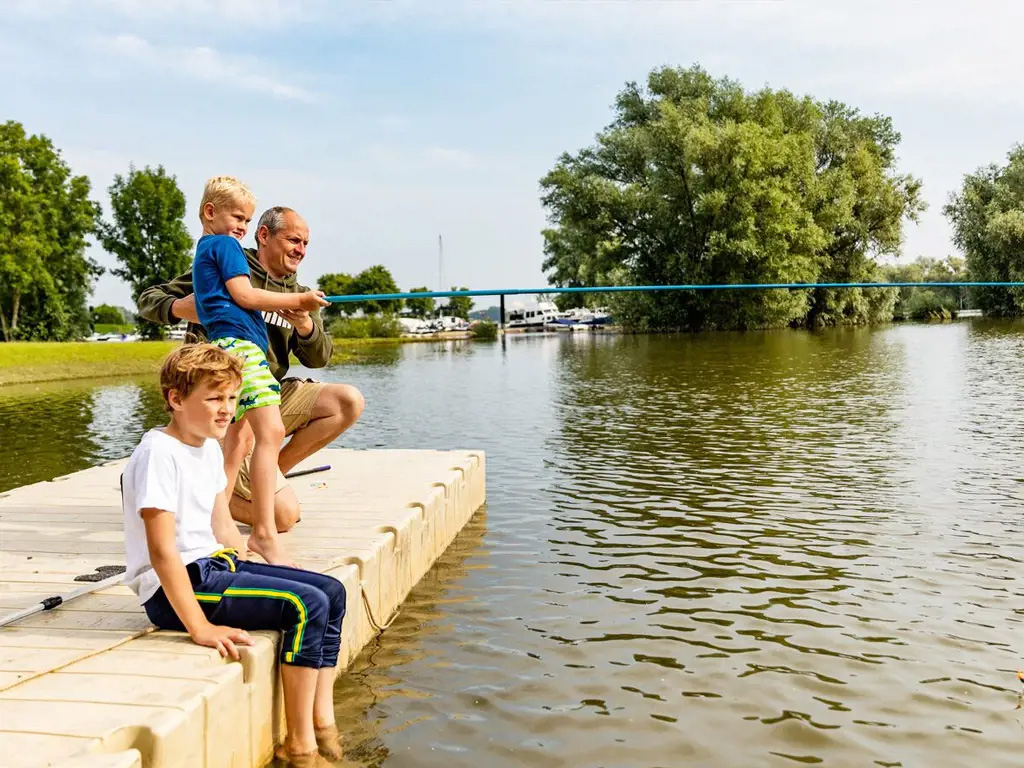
point(22, 362)
point(25, 361)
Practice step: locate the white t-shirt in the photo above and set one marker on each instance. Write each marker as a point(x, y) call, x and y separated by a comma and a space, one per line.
point(165, 473)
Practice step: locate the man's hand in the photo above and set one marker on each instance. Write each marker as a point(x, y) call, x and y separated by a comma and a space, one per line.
point(311, 300)
point(185, 309)
point(300, 320)
point(224, 639)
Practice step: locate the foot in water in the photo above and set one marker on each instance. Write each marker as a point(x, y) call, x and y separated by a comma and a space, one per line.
point(271, 550)
point(328, 741)
point(311, 759)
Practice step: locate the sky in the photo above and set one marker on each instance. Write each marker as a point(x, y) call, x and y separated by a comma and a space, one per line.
point(386, 124)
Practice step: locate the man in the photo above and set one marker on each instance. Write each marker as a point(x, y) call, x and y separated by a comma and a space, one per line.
point(314, 413)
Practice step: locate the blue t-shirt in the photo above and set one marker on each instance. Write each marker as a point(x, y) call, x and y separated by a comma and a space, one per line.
point(218, 259)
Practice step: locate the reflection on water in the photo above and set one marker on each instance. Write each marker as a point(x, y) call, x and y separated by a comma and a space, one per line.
point(376, 676)
point(751, 549)
point(51, 429)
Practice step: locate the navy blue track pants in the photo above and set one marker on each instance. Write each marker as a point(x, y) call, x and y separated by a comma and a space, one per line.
point(306, 606)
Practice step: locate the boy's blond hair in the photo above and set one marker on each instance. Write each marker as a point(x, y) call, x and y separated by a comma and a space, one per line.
point(225, 190)
point(190, 365)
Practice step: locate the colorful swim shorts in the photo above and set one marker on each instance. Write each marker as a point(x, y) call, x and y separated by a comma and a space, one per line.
point(259, 387)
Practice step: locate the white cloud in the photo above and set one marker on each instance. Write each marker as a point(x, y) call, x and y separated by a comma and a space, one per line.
point(205, 64)
point(942, 49)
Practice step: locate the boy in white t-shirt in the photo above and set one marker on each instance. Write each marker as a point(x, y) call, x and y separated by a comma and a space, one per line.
point(183, 561)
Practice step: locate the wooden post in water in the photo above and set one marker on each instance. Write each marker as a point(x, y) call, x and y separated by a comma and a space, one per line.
point(501, 313)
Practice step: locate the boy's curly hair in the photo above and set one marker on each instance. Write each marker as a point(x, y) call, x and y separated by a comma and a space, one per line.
point(187, 366)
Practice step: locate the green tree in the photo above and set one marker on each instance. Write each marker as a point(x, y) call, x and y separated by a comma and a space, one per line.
point(335, 284)
point(147, 235)
point(923, 303)
point(987, 214)
point(107, 314)
point(375, 279)
point(45, 216)
point(460, 306)
point(420, 307)
point(699, 181)
point(860, 202)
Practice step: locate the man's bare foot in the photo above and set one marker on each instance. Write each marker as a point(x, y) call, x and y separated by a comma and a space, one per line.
point(270, 549)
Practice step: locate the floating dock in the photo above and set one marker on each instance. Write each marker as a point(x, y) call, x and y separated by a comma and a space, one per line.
point(92, 684)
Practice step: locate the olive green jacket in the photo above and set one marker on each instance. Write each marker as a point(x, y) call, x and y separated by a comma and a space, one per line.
point(314, 352)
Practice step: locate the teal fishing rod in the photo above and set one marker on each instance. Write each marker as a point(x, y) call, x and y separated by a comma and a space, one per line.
point(650, 288)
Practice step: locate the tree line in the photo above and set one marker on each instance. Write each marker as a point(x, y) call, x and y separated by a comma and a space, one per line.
point(697, 180)
point(378, 279)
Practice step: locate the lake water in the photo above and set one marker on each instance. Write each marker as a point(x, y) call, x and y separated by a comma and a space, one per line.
point(731, 549)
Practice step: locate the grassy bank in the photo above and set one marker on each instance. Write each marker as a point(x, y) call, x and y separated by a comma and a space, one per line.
point(23, 362)
point(354, 350)
point(26, 361)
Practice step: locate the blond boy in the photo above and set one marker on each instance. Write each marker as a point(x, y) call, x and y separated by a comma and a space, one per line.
point(229, 307)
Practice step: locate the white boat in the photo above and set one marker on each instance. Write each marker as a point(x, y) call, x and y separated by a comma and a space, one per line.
point(113, 337)
point(446, 323)
point(414, 326)
point(544, 313)
point(581, 319)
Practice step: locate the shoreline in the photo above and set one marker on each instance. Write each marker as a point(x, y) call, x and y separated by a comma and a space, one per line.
point(34, 362)
point(28, 362)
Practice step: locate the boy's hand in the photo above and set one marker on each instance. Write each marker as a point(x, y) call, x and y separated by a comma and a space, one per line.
point(224, 639)
point(311, 300)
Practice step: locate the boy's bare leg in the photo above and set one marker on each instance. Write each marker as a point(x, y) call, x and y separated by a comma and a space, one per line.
point(299, 688)
point(237, 443)
point(328, 740)
point(323, 702)
point(269, 431)
point(286, 509)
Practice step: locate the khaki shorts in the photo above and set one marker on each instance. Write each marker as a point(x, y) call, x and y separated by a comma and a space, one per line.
point(298, 396)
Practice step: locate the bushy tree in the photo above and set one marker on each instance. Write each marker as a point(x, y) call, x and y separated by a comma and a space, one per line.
point(924, 303)
point(420, 307)
point(147, 235)
point(375, 279)
point(106, 314)
point(987, 214)
point(460, 306)
point(699, 181)
point(45, 216)
point(335, 284)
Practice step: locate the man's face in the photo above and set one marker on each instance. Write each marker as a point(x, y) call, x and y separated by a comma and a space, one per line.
point(228, 219)
point(208, 409)
point(282, 252)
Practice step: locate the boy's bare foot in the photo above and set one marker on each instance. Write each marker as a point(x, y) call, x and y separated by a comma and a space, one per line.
point(310, 759)
point(270, 549)
point(328, 741)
